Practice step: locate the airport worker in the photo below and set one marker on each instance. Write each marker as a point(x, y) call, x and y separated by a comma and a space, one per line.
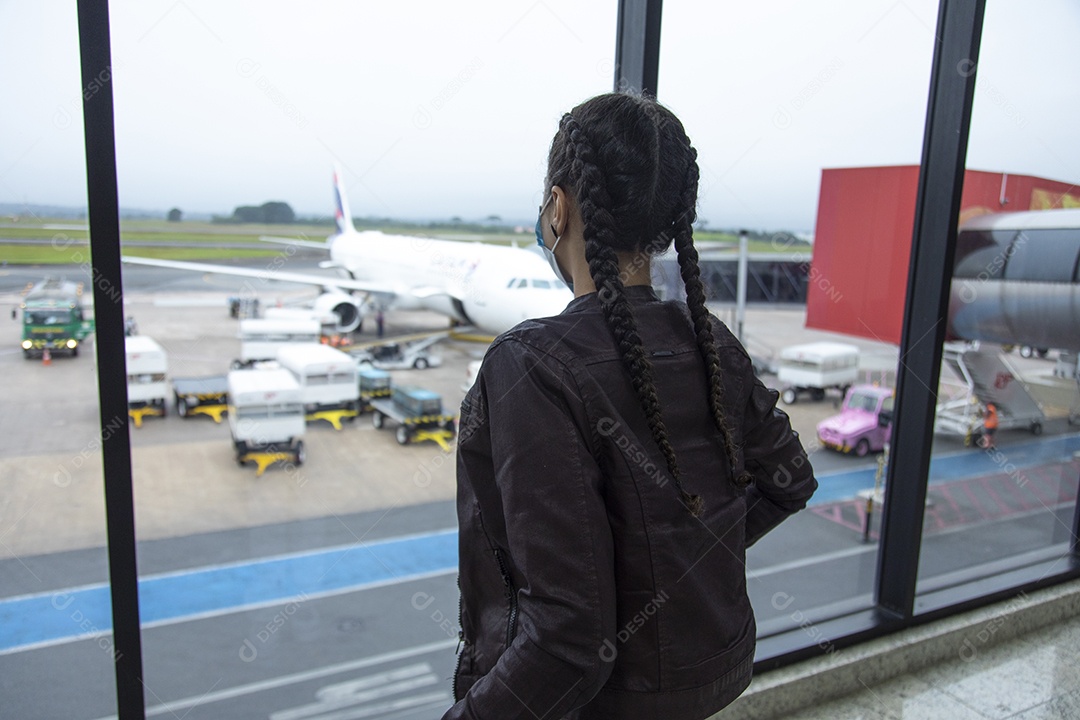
point(615, 461)
point(990, 425)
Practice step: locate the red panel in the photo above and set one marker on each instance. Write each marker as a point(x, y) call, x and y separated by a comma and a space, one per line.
point(861, 245)
point(862, 241)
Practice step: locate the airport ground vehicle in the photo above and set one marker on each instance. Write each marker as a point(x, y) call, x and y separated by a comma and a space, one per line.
point(374, 384)
point(864, 425)
point(201, 396)
point(402, 356)
point(471, 373)
point(147, 382)
point(418, 413)
point(266, 417)
point(243, 307)
point(987, 376)
point(260, 339)
point(328, 382)
point(53, 318)
point(816, 367)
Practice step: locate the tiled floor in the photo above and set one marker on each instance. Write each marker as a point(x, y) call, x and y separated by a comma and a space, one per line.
point(1034, 677)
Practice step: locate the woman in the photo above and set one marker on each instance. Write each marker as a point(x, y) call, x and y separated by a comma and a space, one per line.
point(615, 461)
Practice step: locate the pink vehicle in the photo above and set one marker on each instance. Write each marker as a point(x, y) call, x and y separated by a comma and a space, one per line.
point(865, 423)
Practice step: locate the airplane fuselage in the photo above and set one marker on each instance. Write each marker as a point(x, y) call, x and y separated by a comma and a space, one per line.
point(489, 286)
point(1017, 280)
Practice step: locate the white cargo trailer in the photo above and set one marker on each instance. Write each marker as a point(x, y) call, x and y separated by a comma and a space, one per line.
point(147, 377)
point(815, 367)
point(329, 387)
point(266, 416)
point(260, 339)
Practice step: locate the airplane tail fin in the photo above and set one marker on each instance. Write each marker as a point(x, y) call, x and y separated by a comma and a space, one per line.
point(342, 216)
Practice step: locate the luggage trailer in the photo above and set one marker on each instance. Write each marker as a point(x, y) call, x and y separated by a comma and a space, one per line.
point(329, 388)
point(816, 367)
point(418, 414)
point(201, 396)
point(266, 417)
point(147, 384)
point(374, 385)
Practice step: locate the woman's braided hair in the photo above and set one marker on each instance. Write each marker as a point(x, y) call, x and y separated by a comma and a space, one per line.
point(630, 167)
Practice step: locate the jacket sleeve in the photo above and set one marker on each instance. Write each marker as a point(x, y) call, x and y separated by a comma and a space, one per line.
point(558, 538)
point(783, 478)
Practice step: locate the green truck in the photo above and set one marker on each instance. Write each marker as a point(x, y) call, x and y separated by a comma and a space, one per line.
point(53, 318)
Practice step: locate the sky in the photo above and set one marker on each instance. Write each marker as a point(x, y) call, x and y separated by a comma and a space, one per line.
point(438, 109)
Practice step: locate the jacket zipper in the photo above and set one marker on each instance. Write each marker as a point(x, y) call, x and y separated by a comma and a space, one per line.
point(511, 596)
point(511, 622)
point(508, 583)
point(461, 641)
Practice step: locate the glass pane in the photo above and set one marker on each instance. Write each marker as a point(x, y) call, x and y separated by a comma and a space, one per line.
point(324, 587)
point(808, 135)
point(1004, 473)
point(56, 647)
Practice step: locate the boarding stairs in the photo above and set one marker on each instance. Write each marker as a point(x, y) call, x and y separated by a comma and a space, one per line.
point(986, 377)
point(1068, 367)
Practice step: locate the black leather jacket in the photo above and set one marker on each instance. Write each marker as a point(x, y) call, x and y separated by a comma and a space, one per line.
point(587, 589)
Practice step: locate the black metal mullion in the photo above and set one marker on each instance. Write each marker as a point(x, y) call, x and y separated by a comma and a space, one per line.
point(937, 211)
point(1075, 545)
point(637, 45)
point(104, 220)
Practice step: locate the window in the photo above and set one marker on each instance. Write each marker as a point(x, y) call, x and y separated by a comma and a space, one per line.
point(345, 556)
point(1002, 500)
point(54, 579)
point(300, 579)
point(766, 131)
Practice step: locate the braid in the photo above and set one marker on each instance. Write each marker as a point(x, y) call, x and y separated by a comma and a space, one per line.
point(600, 237)
point(695, 299)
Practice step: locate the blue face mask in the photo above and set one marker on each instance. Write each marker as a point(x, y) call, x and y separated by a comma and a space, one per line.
point(549, 253)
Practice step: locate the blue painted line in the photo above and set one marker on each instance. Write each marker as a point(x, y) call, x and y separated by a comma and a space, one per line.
point(78, 612)
point(954, 466)
point(63, 615)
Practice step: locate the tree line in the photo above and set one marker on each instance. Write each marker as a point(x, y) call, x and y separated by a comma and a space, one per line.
point(274, 212)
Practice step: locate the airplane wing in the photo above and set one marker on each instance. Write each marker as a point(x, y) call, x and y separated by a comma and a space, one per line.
point(268, 274)
point(314, 245)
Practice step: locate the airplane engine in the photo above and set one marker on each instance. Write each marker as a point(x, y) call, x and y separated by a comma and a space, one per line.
point(344, 307)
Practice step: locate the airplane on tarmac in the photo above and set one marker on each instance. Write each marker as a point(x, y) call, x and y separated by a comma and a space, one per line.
point(490, 287)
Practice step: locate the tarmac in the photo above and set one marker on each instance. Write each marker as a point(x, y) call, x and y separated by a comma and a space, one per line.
point(186, 478)
point(185, 474)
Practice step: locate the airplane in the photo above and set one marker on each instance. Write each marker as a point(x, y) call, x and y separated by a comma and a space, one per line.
point(1017, 280)
point(489, 287)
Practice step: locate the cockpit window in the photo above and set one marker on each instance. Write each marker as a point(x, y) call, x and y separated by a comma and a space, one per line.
point(542, 284)
point(522, 283)
point(511, 283)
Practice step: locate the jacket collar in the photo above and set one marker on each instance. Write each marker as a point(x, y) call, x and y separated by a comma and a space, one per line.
point(636, 294)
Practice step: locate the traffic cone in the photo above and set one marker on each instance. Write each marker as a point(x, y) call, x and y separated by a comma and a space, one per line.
point(46, 357)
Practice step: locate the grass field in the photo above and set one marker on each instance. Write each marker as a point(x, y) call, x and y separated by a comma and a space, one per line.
point(78, 254)
point(68, 244)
